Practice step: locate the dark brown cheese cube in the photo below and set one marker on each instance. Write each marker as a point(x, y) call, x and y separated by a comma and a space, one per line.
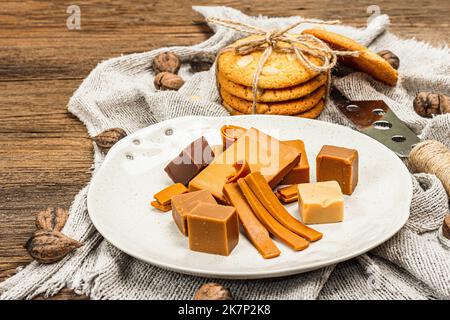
point(338, 164)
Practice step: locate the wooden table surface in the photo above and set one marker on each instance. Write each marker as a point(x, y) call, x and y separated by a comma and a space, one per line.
point(45, 152)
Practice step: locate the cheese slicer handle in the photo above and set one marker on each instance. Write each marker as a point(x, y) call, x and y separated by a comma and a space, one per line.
point(431, 156)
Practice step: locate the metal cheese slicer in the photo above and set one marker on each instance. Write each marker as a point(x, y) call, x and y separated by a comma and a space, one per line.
point(375, 119)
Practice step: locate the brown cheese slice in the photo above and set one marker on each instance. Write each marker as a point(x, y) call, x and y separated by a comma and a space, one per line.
point(254, 230)
point(164, 196)
point(262, 152)
point(288, 237)
point(288, 194)
point(300, 173)
point(161, 207)
point(262, 190)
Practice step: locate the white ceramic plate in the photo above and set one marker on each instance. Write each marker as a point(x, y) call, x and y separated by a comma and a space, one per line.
point(120, 194)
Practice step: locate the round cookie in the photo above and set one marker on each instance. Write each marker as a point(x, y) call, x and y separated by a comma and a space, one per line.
point(367, 61)
point(312, 113)
point(233, 112)
point(281, 70)
point(282, 108)
point(272, 95)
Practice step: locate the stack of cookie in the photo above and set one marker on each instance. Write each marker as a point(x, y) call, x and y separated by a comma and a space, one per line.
point(285, 86)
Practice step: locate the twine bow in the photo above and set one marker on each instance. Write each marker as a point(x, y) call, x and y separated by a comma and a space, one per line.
point(300, 44)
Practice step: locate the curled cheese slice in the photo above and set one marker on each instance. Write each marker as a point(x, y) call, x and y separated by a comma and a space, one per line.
point(262, 190)
point(255, 231)
point(230, 134)
point(288, 237)
point(242, 170)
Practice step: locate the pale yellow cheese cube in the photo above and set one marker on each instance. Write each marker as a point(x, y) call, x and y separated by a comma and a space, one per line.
point(320, 202)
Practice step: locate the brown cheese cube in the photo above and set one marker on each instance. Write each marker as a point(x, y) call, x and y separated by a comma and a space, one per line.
point(184, 203)
point(339, 164)
point(193, 159)
point(213, 228)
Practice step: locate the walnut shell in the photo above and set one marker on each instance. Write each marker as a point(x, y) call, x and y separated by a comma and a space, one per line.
point(51, 219)
point(427, 104)
point(108, 138)
point(444, 105)
point(168, 81)
point(166, 62)
point(50, 246)
point(213, 291)
point(390, 57)
point(202, 61)
point(341, 71)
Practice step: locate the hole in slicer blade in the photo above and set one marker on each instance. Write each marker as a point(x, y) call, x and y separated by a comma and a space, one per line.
point(168, 132)
point(352, 107)
point(379, 112)
point(129, 156)
point(398, 138)
point(137, 142)
point(382, 125)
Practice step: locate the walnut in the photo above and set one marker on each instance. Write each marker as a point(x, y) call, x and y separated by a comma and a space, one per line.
point(50, 246)
point(427, 104)
point(108, 138)
point(168, 81)
point(390, 57)
point(341, 71)
point(446, 227)
point(202, 61)
point(445, 104)
point(213, 291)
point(166, 62)
point(51, 219)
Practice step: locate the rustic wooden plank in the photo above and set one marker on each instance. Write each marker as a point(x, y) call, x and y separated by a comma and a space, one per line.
point(45, 153)
point(45, 159)
point(35, 43)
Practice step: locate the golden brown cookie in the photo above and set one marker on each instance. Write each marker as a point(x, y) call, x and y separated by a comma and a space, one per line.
point(272, 95)
point(312, 113)
point(282, 108)
point(367, 61)
point(281, 70)
point(232, 111)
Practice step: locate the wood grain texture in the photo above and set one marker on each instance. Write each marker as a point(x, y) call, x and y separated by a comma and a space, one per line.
point(45, 153)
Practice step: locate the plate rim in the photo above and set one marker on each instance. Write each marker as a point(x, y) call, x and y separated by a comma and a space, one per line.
point(239, 275)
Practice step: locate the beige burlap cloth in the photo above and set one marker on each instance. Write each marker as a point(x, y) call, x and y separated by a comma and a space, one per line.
point(414, 264)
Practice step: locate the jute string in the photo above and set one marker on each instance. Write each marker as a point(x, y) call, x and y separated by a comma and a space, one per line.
point(303, 45)
point(433, 157)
